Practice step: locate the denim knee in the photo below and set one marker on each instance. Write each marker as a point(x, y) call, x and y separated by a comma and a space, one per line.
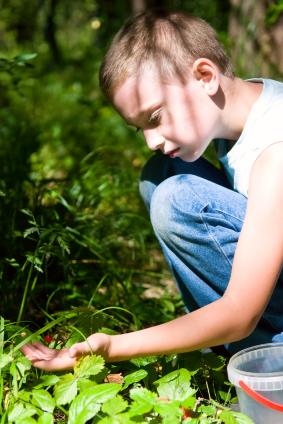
point(146, 189)
point(156, 170)
point(173, 203)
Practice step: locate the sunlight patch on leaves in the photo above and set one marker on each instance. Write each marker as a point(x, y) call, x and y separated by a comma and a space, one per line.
point(43, 400)
point(66, 389)
point(115, 406)
point(144, 401)
point(88, 402)
point(175, 385)
point(89, 365)
point(134, 377)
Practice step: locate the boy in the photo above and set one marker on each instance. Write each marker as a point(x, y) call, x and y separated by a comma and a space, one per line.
point(167, 75)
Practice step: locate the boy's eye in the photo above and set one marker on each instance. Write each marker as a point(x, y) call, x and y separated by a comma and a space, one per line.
point(155, 117)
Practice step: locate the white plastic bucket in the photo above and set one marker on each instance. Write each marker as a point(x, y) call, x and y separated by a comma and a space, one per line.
point(257, 373)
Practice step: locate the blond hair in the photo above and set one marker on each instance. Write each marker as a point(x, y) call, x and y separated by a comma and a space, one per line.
point(170, 40)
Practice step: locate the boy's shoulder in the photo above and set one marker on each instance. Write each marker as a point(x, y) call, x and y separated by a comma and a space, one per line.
point(263, 128)
point(272, 89)
point(268, 107)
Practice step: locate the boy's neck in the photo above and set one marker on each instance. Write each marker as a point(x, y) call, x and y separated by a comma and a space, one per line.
point(240, 96)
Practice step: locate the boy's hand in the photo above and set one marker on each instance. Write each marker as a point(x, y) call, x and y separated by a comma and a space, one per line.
point(54, 360)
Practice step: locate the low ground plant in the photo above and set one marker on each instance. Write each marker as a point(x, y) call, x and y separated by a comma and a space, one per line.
point(187, 388)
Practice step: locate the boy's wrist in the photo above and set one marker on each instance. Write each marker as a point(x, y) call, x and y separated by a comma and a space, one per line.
point(122, 347)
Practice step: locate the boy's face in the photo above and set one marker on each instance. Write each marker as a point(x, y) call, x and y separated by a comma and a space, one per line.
point(178, 118)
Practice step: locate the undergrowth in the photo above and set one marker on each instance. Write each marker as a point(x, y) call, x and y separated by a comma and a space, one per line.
point(78, 256)
point(185, 388)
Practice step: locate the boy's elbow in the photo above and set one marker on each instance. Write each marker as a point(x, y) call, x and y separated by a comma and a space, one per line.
point(245, 330)
point(243, 323)
point(245, 327)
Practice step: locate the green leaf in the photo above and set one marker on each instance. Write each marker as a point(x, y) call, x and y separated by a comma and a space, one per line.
point(207, 409)
point(242, 418)
point(47, 380)
point(24, 395)
point(144, 401)
point(5, 359)
point(134, 377)
point(45, 419)
point(192, 361)
point(27, 212)
point(66, 389)
point(87, 403)
point(85, 383)
point(15, 411)
point(63, 244)
point(115, 406)
point(119, 419)
point(81, 410)
point(175, 385)
point(89, 365)
point(27, 420)
point(43, 399)
point(225, 396)
point(25, 57)
point(227, 417)
point(143, 361)
point(21, 412)
point(23, 365)
point(12, 262)
point(189, 402)
point(30, 231)
point(169, 410)
point(214, 362)
point(37, 262)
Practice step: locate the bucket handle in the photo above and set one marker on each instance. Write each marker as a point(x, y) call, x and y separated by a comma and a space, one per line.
point(259, 398)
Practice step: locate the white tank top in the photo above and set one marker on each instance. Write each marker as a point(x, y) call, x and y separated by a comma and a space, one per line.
point(263, 127)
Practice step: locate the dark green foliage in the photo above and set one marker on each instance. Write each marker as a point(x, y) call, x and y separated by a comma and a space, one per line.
point(77, 251)
point(74, 231)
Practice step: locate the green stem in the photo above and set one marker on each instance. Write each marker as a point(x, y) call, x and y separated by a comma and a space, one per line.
point(2, 326)
point(23, 302)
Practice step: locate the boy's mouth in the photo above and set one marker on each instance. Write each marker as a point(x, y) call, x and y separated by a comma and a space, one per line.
point(173, 153)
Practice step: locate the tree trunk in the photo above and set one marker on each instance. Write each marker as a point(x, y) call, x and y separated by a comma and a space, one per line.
point(256, 47)
point(50, 31)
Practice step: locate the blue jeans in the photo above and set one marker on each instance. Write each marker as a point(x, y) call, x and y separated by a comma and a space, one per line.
point(197, 219)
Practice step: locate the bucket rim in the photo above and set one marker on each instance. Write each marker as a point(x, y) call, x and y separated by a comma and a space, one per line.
point(255, 375)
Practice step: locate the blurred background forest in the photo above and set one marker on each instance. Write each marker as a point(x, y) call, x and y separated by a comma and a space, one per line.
point(74, 232)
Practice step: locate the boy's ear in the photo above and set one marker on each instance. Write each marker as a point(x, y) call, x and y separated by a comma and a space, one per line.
point(208, 75)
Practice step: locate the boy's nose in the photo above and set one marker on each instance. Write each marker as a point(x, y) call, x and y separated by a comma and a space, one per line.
point(154, 140)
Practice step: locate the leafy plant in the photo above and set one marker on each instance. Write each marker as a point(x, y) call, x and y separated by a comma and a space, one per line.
point(99, 394)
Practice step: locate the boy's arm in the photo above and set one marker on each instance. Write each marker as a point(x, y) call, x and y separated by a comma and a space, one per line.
point(257, 264)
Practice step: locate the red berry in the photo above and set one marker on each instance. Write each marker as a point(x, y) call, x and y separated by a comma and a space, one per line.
point(187, 413)
point(48, 339)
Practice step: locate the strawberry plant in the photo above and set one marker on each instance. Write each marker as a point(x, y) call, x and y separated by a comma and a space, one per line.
point(170, 389)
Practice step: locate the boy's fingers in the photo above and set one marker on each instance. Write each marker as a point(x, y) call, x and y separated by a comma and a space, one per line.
point(37, 350)
point(54, 364)
point(41, 347)
point(79, 349)
point(30, 351)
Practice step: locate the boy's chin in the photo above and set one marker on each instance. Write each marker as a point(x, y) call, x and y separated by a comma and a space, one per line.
point(190, 157)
